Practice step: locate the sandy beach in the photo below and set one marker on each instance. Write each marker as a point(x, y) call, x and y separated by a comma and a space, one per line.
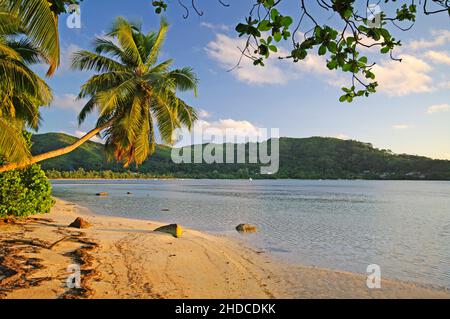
point(125, 258)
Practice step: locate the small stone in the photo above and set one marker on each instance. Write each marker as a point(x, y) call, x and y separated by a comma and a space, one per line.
point(173, 229)
point(80, 223)
point(102, 194)
point(247, 228)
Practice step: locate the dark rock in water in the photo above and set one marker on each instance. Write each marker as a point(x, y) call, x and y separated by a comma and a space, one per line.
point(173, 229)
point(80, 223)
point(247, 228)
point(102, 194)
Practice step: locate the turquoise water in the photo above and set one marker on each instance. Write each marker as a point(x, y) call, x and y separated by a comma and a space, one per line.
point(403, 226)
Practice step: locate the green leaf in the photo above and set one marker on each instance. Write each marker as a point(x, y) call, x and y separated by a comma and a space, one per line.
point(332, 47)
point(273, 48)
point(322, 50)
point(274, 14)
point(332, 64)
point(286, 21)
point(346, 67)
point(277, 36)
point(363, 60)
point(264, 25)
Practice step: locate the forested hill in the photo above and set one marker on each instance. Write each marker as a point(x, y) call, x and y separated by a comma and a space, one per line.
point(302, 158)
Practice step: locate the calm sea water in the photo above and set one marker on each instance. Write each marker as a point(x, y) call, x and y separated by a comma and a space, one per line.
point(403, 226)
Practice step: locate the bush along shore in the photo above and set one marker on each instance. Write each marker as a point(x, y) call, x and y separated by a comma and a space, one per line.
point(25, 192)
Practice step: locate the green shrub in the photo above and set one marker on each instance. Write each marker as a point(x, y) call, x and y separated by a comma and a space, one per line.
point(25, 192)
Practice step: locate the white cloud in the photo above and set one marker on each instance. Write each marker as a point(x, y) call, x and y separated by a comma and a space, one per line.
point(80, 134)
point(438, 57)
point(400, 126)
point(212, 26)
point(438, 108)
point(342, 136)
point(241, 129)
point(202, 114)
point(221, 131)
point(437, 38)
point(226, 51)
point(66, 57)
point(412, 75)
point(65, 62)
point(445, 85)
point(69, 102)
point(317, 65)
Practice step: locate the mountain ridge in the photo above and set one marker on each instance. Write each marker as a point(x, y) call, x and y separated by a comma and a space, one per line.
point(300, 158)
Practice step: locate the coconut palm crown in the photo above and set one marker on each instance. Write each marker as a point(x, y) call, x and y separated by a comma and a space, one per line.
point(133, 92)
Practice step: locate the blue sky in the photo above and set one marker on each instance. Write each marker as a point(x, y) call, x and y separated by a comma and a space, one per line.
point(410, 114)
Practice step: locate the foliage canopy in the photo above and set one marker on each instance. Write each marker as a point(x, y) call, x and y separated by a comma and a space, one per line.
point(339, 30)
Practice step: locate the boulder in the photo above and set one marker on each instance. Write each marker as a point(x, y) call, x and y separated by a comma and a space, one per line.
point(173, 229)
point(246, 228)
point(80, 223)
point(102, 194)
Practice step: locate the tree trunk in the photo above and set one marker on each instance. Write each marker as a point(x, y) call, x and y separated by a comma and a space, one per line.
point(55, 153)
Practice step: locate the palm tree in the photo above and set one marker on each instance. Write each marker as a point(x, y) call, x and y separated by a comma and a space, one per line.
point(132, 93)
point(22, 92)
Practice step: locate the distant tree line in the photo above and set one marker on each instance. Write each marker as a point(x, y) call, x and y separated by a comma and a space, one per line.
point(307, 158)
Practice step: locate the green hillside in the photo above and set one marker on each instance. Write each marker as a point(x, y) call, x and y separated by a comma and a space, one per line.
point(89, 156)
point(302, 158)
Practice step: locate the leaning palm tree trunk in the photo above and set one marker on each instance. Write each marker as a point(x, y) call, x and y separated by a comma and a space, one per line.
point(55, 153)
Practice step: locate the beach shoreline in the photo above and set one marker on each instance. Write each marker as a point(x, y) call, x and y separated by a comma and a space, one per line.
point(124, 258)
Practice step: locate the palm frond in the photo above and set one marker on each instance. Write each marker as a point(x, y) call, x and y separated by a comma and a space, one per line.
point(88, 108)
point(41, 25)
point(187, 115)
point(85, 60)
point(157, 45)
point(7, 50)
point(9, 24)
point(116, 97)
point(18, 76)
point(166, 116)
point(142, 145)
point(26, 109)
point(106, 46)
point(123, 30)
point(161, 67)
point(26, 51)
point(185, 79)
point(13, 147)
point(103, 82)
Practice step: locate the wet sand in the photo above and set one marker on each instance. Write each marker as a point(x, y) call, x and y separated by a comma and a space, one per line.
point(125, 258)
